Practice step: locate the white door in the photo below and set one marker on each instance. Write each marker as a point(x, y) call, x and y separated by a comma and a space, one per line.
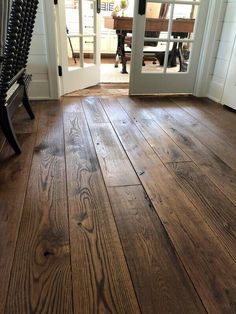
point(230, 83)
point(176, 45)
point(78, 27)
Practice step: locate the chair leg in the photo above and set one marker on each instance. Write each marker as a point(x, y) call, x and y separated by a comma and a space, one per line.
point(27, 105)
point(7, 129)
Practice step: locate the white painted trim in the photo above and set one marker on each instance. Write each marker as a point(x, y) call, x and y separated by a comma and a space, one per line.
point(52, 52)
point(215, 90)
point(209, 46)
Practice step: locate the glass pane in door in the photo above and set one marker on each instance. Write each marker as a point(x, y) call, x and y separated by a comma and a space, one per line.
point(169, 35)
point(81, 32)
point(89, 55)
point(72, 12)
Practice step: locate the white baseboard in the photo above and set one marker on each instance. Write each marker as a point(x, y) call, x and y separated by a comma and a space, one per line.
point(215, 92)
point(39, 90)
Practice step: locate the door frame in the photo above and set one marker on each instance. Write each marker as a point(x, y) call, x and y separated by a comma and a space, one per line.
point(208, 52)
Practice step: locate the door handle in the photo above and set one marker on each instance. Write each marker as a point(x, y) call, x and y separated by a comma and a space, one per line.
point(142, 7)
point(98, 6)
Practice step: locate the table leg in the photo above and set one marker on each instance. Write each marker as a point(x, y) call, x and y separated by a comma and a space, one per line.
point(117, 59)
point(122, 52)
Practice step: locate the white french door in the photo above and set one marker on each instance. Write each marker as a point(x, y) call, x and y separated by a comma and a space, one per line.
point(78, 27)
point(178, 42)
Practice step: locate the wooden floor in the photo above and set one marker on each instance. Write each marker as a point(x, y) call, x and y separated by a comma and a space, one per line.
point(120, 205)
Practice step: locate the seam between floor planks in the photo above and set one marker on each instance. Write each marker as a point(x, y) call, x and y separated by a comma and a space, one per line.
point(68, 213)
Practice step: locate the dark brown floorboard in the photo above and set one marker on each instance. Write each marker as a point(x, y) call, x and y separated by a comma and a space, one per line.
point(153, 262)
point(101, 281)
point(41, 273)
point(14, 173)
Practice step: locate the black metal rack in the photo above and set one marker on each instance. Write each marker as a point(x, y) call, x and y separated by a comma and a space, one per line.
point(13, 65)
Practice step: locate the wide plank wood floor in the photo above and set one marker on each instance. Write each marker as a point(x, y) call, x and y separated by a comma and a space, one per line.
point(120, 205)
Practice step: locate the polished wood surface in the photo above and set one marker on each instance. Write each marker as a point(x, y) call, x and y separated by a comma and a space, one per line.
point(160, 25)
point(120, 205)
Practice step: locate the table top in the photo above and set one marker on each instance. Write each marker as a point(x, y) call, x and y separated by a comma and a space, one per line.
point(159, 24)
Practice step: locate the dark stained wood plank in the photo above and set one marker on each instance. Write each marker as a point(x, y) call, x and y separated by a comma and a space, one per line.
point(94, 111)
point(214, 116)
point(163, 145)
point(101, 280)
point(137, 107)
point(160, 280)
point(115, 165)
point(72, 104)
point(22, 122)
point(203, 256)
point(165, 148)
point(215, 168)
point(14, 172)
point(221, 148)
point(215, 208)
point(113, 108)
point(41, 273)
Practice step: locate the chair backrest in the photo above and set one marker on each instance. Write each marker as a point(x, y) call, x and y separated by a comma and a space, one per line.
point(17, 44)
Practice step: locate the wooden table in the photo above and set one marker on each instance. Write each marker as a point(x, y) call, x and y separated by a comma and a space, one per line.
point(123, 25)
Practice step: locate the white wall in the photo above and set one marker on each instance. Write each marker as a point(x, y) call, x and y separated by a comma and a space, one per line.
point(38, 59)
point(226, 42)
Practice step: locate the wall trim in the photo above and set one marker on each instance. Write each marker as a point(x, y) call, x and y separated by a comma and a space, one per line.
point(52, 50)
point(209, 49)
point(215, 91)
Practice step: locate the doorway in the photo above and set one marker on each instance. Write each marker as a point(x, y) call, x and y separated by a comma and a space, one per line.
point(100, 56)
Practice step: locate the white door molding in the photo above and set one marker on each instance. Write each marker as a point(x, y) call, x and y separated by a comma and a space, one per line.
point(52, 50)
point(209, 46)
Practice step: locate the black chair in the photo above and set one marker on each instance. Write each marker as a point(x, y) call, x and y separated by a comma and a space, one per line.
point(13, 66)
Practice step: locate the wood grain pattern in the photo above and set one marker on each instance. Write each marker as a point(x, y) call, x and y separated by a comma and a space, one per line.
point(94, 111)
point(101, 281)
point(215, 208)
point(72, 104)
point(194, 241)
point(62, 249)
point(13, 181)
point(163, 145)
point(159, 278)
point(214, 116)
point(113, 108)
point(225, 151)
point(116, 168)
point(41, 273)
point(21, 121)
point(215, 168)
point(14, 174)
